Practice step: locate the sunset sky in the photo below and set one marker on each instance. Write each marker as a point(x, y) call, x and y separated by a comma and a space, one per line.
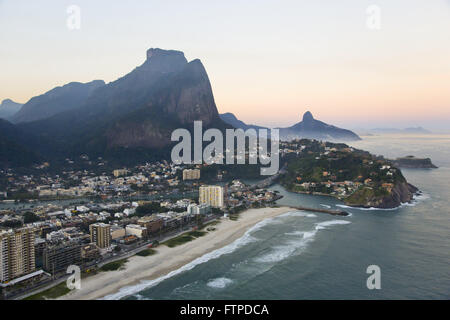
point(268, 61)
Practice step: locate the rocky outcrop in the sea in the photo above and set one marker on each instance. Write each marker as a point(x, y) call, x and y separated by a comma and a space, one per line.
point(414, 163)
point(402, 192)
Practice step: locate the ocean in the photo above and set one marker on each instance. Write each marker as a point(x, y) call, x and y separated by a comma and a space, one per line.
point(304, 255)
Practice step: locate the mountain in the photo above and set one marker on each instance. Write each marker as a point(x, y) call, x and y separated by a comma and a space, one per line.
point(9, 108)
point(412, 130)
point(236, 123)
point(133, 117)
point(14, 149)
point(311, 128)
point(57, 100)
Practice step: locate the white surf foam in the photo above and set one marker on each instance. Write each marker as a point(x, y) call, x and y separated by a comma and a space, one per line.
point(219, 283)
point(295, 233)
point(299, 214)
point(282, 252)
point(326, 206)
point(329, 223)
point(145, 284)
point(366, 209)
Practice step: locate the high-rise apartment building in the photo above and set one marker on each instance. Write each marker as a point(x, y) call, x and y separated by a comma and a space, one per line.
point(100, 234)
point(17, 256)
point(57, 258)
point(191, 174)
point(211, 195)
point(120, 172)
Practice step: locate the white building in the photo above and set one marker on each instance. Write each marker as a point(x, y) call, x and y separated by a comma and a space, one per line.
point(198, 209)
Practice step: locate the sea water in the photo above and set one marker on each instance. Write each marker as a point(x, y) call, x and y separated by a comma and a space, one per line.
point(304, 255)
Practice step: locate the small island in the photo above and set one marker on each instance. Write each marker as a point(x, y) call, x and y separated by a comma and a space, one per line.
point(412, 162)
point(356, 177)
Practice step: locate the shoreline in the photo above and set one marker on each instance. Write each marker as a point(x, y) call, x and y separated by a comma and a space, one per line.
point(168, 260)
point(343, 204)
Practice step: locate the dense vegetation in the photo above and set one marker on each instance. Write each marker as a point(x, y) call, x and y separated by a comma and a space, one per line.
point(184, 238)
point(115, 265)
point(335, 169)
point(146, 252)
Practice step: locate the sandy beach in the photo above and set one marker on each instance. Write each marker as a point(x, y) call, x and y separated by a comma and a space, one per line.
point(168, 259)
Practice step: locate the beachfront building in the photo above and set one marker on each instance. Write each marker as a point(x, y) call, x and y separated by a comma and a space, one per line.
point(198, 208)
point(212, 196)
point(17, 256)
point(153, 223)
point(136, 230)
point(90, 252)
point(191, 174)
point(58, 257)
point(100, 234)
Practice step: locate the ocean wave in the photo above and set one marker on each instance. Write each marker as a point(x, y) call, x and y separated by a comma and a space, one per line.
point(219, 283)
point(309, 234)
point(298, 214)
point(326, 206)
point(295, 233)
point(366, 209)
point(145, 284)
point(282, 252)
point(329, 223)
point(185, 289)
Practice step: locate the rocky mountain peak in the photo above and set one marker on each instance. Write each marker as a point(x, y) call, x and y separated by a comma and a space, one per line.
point(308, 117)
point(156, 53)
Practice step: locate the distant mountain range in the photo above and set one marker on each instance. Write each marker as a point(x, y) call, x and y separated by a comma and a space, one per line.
point(308, 128)
point(57, 100)
point(412, 130)
point(236, 123)
point(8, 109)
point(128, 120)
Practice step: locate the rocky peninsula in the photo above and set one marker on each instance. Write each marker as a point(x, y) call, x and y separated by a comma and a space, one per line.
point(356, 177)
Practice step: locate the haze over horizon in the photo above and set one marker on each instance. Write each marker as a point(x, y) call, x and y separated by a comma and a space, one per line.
point(268, 63)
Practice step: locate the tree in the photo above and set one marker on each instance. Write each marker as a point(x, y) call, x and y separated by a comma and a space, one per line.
point(30, 217)
point(12, 224)
point(149, 208)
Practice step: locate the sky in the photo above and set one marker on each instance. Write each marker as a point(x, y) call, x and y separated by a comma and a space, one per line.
point(352, 63)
